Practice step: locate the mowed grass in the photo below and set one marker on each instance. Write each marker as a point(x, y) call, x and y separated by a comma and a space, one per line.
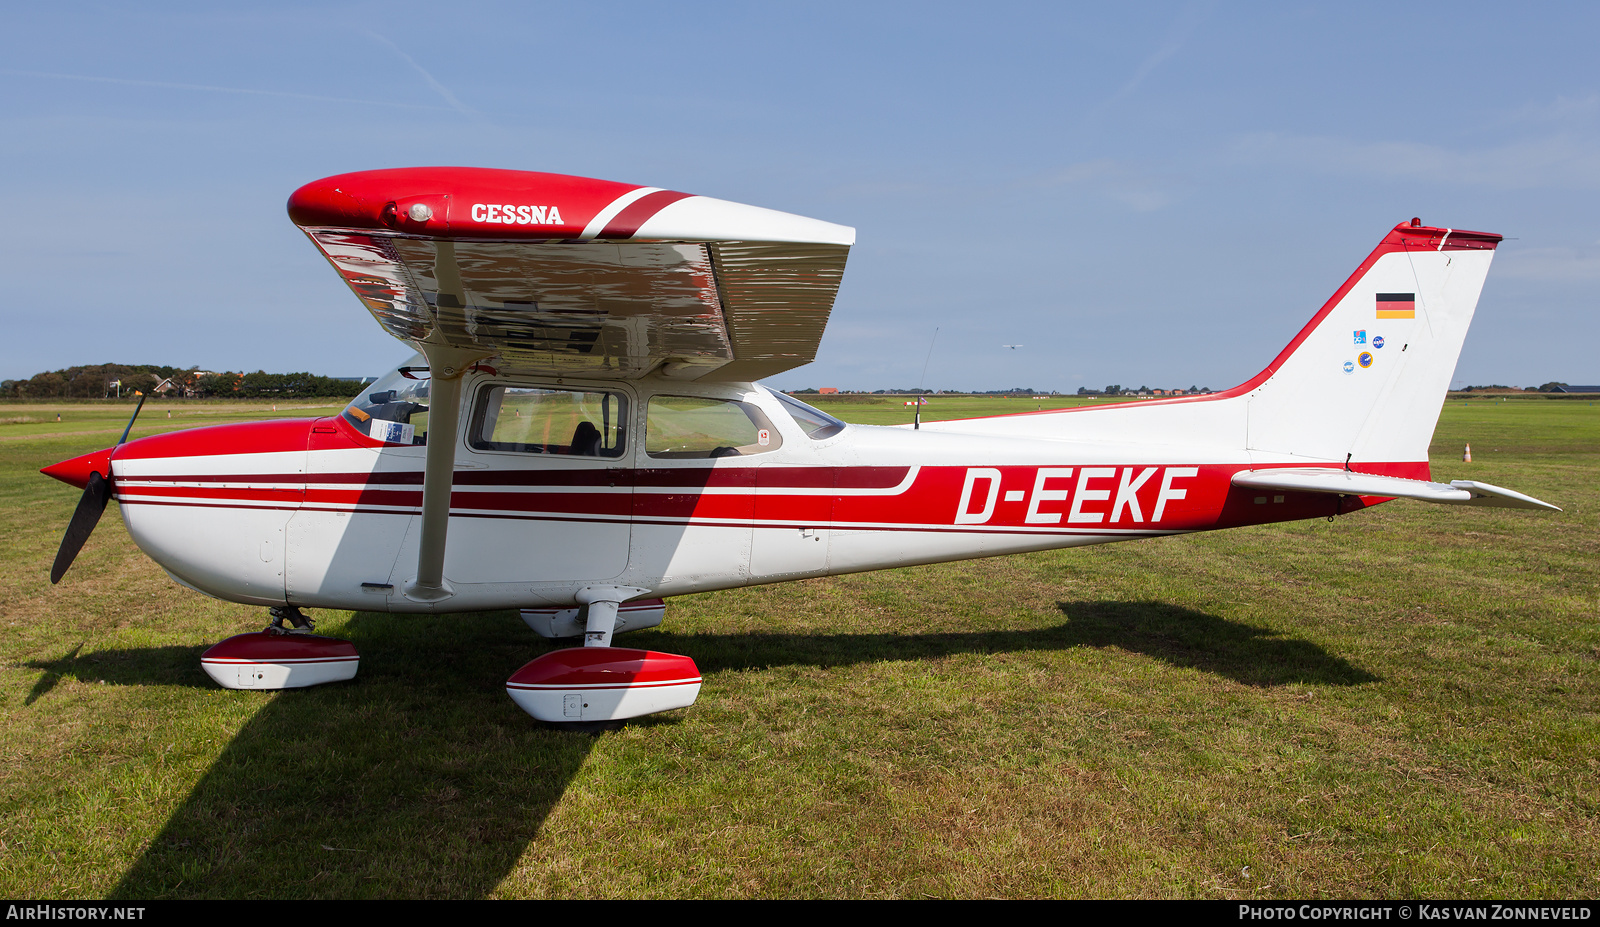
point(1401, 702)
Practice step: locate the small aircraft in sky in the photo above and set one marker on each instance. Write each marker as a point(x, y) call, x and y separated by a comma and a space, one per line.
point(581, 435)
point(1011, 346)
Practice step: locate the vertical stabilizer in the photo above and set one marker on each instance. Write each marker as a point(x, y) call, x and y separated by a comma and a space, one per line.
point(1363, 381)
point(1366, 377)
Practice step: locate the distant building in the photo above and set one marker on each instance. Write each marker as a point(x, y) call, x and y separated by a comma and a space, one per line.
point(1574, 388)
point(828, 391)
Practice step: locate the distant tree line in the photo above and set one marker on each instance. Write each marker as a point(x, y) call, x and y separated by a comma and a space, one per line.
point(101, 381)
point(1551, 387)
point(1117, 389)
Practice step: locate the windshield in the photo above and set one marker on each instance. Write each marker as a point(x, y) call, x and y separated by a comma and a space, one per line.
point(816, 423)
point(393, 410)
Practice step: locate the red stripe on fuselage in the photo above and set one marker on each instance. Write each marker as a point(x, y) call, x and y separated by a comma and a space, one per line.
point(1069, 500)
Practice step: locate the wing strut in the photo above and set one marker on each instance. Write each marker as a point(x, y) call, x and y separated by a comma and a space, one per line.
point(446, 365)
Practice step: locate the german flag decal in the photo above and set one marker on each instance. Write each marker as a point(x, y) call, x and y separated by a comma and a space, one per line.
point(1397, 305)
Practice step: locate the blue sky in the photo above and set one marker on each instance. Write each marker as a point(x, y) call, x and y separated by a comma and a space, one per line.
point(1153, 194)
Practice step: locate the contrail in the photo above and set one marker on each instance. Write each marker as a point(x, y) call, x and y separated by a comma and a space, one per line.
point(209, 88)
point(1177, 34)
point(441, 89)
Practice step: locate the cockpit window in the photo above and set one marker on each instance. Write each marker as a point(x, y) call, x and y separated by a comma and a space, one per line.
point(549, 421)
point(393, 410)
point(816, 423)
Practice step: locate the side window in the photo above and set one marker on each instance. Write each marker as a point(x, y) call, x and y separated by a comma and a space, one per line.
point(573, 423)
point(690, 427)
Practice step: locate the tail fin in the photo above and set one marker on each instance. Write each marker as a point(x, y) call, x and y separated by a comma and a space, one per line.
point(1367, 375)
point(1362, 382)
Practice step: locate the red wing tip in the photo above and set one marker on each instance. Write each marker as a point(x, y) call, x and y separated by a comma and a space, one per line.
point(381, 200)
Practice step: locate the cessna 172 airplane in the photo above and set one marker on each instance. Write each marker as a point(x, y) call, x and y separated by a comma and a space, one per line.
point(581, 435)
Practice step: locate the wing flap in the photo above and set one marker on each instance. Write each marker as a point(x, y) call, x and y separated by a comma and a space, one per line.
point(1345, 482)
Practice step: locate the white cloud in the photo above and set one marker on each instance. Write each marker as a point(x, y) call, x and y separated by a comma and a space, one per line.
point(1121, 182)
point(1559, 161)
point(1551, 264)
point(1564, 110)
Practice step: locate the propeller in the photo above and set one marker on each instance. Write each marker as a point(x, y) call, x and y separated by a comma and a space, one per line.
point(90, 507)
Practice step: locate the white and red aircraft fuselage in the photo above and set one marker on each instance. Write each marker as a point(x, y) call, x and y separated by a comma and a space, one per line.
point(582, 429)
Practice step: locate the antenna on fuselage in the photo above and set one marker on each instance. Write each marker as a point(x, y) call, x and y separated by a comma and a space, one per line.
point(916, 421)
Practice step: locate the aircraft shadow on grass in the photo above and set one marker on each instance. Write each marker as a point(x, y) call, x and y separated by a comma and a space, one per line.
point(421, 779)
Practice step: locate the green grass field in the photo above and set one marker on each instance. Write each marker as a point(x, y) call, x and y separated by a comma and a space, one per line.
point(1399, 703)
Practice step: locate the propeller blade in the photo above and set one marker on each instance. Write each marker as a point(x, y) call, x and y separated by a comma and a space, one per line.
point(124, 438)
point(90, 506)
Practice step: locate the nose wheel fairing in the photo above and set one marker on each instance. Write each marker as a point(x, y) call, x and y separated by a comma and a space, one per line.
point(275, 659)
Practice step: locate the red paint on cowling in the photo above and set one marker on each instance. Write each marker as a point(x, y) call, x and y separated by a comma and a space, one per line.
point(335, 433)
point(380, 199)
point(606, 666)
point(268, 647)
point(76, 471)
point(241, 438)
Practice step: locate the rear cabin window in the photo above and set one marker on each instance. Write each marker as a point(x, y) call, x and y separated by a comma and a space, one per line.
point(691, 427)
point(574, 423)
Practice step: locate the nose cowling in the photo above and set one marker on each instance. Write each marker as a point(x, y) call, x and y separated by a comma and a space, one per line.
point(76, 471)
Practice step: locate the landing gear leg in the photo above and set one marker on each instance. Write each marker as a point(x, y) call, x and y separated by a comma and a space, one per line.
point(299, 622)
point(602, 624)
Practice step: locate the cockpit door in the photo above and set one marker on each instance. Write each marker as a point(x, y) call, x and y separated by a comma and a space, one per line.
point(543, 488)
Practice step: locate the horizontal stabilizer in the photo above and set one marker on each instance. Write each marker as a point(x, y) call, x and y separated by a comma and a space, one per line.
point(1344, 482)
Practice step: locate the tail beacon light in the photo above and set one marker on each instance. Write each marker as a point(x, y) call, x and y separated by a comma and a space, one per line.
point(274, 660)
point(604, 684)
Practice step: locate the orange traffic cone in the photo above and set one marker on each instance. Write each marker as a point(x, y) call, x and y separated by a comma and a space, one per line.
point(1466, 456)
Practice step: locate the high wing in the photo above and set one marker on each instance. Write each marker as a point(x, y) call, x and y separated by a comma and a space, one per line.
point(570, 276)
point(1344, 482)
